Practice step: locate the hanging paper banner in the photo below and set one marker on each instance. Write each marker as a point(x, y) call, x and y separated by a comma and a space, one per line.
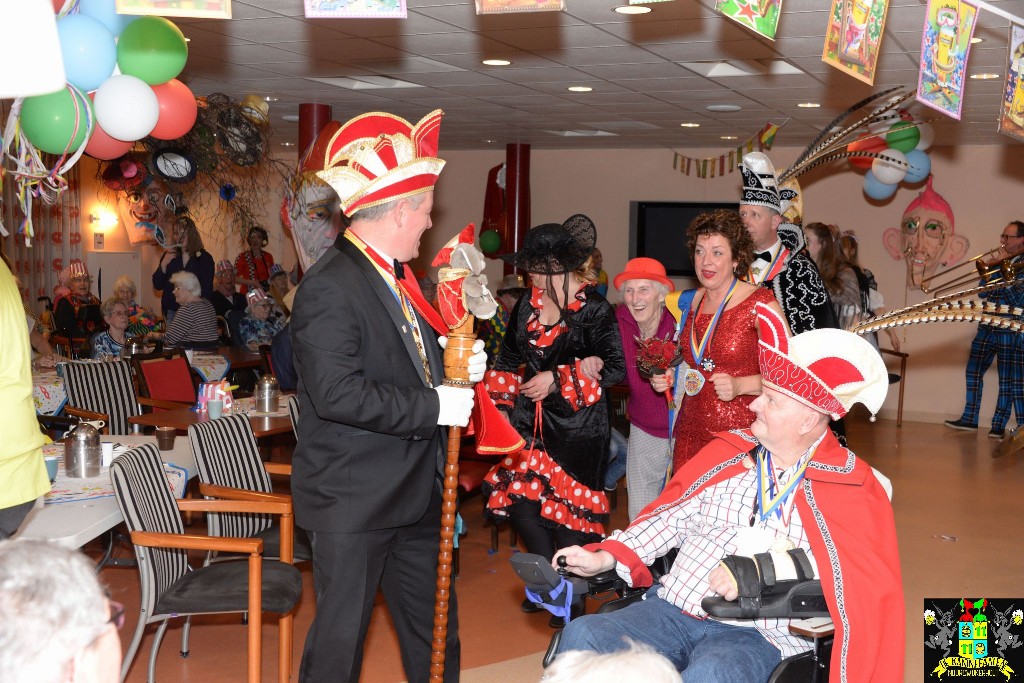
point(760, 16)
point(503, 6)
point(356, 9)
point(854, 35)
point(1011, 119)
point(726, 162)
point(945, 45)
point(202, 9)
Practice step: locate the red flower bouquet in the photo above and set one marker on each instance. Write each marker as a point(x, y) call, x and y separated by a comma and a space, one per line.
point(655, 355)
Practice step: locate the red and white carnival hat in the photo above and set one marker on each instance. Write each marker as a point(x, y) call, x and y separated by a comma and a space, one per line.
point(378, 157)
point(828, 370)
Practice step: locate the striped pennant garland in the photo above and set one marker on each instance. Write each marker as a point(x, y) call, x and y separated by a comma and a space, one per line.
point(727, 162)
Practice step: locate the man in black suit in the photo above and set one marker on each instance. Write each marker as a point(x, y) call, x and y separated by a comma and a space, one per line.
point(366, 479)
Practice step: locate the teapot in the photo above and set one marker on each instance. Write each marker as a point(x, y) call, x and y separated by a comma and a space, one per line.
point(83, 455)
point(267, 394)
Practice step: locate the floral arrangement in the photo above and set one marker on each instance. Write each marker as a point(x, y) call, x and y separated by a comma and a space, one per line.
point(655, 355)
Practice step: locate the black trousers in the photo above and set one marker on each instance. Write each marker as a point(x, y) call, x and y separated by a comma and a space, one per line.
point(541, 538)
point(348, 568)
point(12, 517)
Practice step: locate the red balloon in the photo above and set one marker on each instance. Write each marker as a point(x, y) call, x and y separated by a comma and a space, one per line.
point(866, 143)
point(178, 110)
point(102, 146)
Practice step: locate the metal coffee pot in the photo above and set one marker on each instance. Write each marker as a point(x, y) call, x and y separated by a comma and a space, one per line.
point(267, 394)
point(83, 455)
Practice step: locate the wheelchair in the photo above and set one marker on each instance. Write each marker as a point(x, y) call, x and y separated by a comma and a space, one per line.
point(801, 600)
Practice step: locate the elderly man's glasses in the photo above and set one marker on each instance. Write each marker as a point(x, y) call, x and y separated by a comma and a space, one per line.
point(1005, 238)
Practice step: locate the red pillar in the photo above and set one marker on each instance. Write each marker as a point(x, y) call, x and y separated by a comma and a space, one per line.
point(312, 119)
point(517, 198)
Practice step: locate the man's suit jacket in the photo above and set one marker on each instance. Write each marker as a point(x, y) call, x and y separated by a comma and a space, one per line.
point(369, 447)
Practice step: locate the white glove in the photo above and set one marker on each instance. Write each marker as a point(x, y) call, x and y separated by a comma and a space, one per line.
point(477, 363)
point(456, 405)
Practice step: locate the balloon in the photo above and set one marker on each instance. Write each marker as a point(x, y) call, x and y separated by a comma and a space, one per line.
point(927, 135)
point(920, 166)
point(877, 190)
point(490, 241)
point(56, 122)
point(903, 136)
point(105, 12)
point(865, 143)
point(88, 50)
point(178, 110)
point(153, 49)
point(102, 146)
point(889, 172)
point(227, 192)
point(126, 108)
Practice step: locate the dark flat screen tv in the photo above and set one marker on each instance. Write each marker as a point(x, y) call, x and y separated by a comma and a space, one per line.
point(658, 230)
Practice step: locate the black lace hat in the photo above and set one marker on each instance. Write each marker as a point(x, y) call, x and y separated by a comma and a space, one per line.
point(552, 248)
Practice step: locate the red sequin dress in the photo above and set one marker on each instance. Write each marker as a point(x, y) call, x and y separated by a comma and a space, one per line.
point(734, 351)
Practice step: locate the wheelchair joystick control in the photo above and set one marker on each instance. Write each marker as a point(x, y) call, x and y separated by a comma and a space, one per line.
point(562, 562)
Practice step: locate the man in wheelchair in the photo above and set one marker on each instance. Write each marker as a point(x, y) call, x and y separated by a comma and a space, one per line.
point(754, 510)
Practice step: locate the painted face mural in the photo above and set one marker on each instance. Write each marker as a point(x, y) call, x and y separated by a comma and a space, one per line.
point(925, 238)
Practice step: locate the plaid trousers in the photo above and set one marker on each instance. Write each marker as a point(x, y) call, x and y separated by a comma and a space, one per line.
point(1008, 350)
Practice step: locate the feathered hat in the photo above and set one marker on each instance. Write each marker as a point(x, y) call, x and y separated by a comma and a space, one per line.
point(826, 369)
point(378, 157)
point(760, 186)
point(555, 248)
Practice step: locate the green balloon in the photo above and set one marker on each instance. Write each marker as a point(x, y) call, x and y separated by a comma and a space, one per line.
point(490, 241)
point(152, 49)
point(903, 136)
point(51, 122)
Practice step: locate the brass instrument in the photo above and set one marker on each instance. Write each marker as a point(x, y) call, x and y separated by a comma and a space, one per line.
point(1004, 271)
point(959, 280)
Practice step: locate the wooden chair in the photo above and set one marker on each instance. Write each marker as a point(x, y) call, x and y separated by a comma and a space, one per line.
point(165, 376)
point(171, 588)
point(901, 378)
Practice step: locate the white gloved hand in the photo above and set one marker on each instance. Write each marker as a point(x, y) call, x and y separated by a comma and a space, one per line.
point(477, 363)
point(456, 405)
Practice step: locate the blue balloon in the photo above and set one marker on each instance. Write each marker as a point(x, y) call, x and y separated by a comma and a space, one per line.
point(88, 50)
point(105, 12)
point(876, 189)
point(920, 166)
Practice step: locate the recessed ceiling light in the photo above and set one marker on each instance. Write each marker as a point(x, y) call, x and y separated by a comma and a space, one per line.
point(975, 40)
point(723, 107)
point(728, 137)
point(488, 141)
point(809, 105)
point(984, 77)
point(496, 62)
point(268, 98)
point(632, 9)
point(690, 125)
point(292, 118)
point(580, 88)
point(287, 144)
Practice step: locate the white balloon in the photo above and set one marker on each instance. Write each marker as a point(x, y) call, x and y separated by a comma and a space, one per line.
point(126, 108)
point(886, 171)
point(927, 135)
point(882, 125)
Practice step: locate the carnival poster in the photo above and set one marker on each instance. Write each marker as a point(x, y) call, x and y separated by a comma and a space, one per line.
point(356, 9)
point(760, 16)
point(201, 9)
point(502, 6)
point(945, 46)
point(1011, 118)
point(854, 35)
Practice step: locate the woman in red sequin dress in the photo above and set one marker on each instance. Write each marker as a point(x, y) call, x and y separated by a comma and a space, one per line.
point(719, 339)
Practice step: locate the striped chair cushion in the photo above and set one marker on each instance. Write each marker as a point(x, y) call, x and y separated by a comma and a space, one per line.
point(293, 413)
point(103, 388)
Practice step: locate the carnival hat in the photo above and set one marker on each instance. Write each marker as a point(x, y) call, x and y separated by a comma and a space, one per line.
point(511, 283)
point(552, 248)
point(377, 157)
point(643, 268)
point(77, 269)
point(224, 265)
point(256, 295)
point(828, 370)
point(276, 269)
point(760, 186)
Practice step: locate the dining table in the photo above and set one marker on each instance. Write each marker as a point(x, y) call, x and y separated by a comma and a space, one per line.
point(263, 424)
point(241, 357)
point(48, 393)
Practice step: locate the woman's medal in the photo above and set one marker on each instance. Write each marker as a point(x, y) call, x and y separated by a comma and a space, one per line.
point(693, 382)
point(693, 377)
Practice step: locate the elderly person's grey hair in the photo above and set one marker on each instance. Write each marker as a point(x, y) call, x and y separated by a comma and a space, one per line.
point(373, 213)
point(125, 282)
point(187, 281)
point(107, 307)
point(638, 662)
point(51, 608)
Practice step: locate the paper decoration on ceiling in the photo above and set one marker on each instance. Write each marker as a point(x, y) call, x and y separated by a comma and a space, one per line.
point(854, 35)
point(1011, 119)
point(356, 9)
point(727, 162)
point(945, 46)
point(202, 9)
point(760, 16)
point(503, 6)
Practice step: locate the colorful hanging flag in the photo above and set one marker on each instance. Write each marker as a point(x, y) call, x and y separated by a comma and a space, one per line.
point(507, 6)
point(1011, 119)
point(760, 16)
point(356, 9)
point(201, 9)
point(853, 37)
point(945, 46)
point(727, 162)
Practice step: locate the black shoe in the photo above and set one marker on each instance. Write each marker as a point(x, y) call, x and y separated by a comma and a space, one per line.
point(556, 622)
point(530, 606)
point(960, 424)
point(996, 433)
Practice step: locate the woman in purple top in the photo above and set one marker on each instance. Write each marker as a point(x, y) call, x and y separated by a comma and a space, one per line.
point(643, 315)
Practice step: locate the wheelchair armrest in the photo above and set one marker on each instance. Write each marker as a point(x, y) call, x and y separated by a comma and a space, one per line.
point(787, 599)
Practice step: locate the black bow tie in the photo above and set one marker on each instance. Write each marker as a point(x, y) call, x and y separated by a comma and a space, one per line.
point(399, 270)
point(765, 255)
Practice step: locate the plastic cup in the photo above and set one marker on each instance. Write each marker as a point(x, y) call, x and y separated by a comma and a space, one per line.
point(215, 408)
point(165, 437)
point(52, 461)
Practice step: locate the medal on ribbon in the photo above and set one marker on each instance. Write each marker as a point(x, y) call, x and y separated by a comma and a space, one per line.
point(698, 349)
point(693, 382)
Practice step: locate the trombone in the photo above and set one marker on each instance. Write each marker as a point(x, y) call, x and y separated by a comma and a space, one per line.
point(1001, 272)
point(962, 279)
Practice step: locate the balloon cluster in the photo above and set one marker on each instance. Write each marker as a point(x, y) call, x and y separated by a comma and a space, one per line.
point(899, 144)
point(128, 66)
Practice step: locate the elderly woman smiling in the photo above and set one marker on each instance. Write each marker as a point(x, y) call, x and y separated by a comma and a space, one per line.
point(644, 286)
point(107, 345)
point(141, 320)
point(195, 324)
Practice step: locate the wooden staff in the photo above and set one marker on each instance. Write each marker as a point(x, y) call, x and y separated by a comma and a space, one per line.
point(456, 374)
